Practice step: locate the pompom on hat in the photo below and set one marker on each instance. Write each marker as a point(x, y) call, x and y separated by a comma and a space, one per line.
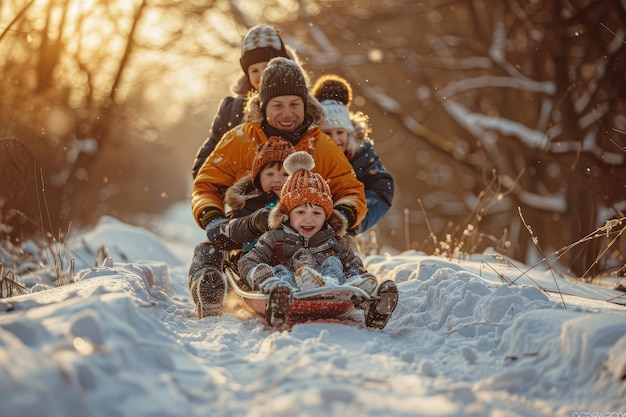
point(332, 87)
point(335, 95)
point(275, 149)
point(304, 186)
point(261, 44)
point(282, 77)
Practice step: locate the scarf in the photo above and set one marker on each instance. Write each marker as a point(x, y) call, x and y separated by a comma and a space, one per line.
point(293, 137)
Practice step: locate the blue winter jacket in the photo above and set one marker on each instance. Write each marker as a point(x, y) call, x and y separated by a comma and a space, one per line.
point(378, 182)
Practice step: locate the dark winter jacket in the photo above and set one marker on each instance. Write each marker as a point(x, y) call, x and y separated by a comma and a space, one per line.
point(369, 169)
point(279, 244)
point(232, 159)
point(244, 200)
point(377, 181)
point(229, 115)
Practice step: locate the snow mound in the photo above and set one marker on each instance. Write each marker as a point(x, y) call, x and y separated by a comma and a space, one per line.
point(469, 337)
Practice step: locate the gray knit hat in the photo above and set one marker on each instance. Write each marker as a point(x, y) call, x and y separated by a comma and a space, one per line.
point(282, 77)
point(337, 115)
point(335, 95)
point(261, 43)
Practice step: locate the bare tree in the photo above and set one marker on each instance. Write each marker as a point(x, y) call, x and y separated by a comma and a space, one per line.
point(72, 71)
point(529, 94)
point(495, 116)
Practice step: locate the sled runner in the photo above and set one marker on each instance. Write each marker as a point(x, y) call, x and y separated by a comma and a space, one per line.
point(283, 306)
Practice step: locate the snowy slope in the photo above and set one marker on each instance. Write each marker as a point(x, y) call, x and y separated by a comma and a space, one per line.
point(122, 341)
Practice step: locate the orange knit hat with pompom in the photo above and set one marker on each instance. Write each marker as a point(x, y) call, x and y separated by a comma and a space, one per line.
point(304, 186)
point(275, 149)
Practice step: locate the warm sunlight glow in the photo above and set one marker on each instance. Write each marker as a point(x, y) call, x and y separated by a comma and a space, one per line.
point(77, 8)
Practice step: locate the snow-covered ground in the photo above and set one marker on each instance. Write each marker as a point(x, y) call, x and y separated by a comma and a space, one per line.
point(123, 341)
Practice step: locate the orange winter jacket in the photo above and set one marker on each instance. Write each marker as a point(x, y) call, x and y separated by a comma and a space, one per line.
point(233, 157)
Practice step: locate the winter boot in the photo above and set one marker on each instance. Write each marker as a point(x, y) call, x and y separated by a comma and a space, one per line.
point(262, 278)
point(206, 283)
point(277, 304)
point(208, 292)
point(308, 279)
point(366, 282)
point(332, 271)
point(380, 310)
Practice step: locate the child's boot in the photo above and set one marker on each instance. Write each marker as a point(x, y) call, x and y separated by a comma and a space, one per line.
point(382, 307)
point(366, 282)
point(277, 304)
point(308, 279)
point(261, 278)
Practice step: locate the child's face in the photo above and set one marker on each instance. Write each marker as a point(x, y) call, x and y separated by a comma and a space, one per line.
point(339, 135)
point(307, 219)
point(272, 177)
point(254, 73)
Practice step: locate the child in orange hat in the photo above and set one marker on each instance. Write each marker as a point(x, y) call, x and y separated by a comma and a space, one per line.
point(307, 239)
point(250, 200)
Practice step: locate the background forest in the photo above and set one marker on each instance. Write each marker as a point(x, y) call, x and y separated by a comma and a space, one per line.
point(501, 121)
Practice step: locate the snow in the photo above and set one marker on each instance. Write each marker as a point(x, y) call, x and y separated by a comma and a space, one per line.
point(122, 340)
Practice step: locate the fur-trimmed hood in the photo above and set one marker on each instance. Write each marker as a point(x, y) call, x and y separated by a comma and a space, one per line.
point(242, 87)
point(240, 192)
point(244, 198)
point(278, 215)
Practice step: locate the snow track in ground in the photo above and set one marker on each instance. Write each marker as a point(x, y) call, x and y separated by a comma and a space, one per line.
point(123, 341)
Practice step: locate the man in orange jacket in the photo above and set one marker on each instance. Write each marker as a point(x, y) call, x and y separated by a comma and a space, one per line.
point(284, 108)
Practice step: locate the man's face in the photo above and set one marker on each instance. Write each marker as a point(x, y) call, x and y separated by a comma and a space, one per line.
point(285, 112)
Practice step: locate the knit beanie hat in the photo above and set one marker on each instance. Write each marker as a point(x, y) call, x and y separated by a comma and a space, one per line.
point(304, 186)
point(282, 77)
point(335, 95)
point(261, 43)
point(274, 149)
point(332, 87)
point(337, 115)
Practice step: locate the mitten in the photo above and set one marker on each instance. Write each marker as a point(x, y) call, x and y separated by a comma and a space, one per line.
point(257, 222)
point(303, 257)
point(215, 228)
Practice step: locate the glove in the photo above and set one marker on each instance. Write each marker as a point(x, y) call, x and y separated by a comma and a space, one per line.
point(209, 214)
point(348, 213)
point(215, 228)
point(257, 222)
